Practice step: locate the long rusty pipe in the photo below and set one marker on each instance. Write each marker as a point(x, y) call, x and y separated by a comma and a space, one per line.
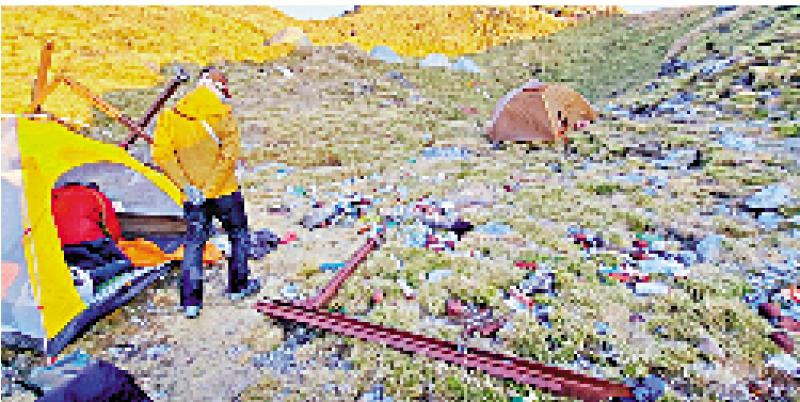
point(329, 291)
point(556, 380)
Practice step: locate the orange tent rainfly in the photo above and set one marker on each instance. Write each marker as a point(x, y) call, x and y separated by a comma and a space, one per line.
point(538, 111)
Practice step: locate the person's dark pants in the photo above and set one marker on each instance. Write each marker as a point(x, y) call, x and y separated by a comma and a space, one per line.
point(229, 209)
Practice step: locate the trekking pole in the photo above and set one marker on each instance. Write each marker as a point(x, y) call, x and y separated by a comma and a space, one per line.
point(181, 76)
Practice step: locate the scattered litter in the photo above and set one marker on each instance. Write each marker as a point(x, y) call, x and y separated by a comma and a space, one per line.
point(540, 281)
point(468, 110)
point(377, 297)
point(678, 159)
point(398, 76)
point(284, 71)
point(156, 351)
point(408, 291)
point(288, 238)
point(290, 292)
point(494, 229)
point(375, 394)
point(125, 351)
point(655, 266)
point(261, 243)
point(783, 340)
point(601, 328)
point(331, 266)
point(651, 288)
point(710, 347)
point(446, 152)
point(439, 274)
point(786, 363)
point(525, 264)
point(649, 388)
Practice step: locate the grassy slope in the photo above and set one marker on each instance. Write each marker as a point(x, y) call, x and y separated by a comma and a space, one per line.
point(352, 127)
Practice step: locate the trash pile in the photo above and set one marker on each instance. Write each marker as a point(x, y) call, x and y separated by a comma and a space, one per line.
point(346, 211)
point(645, 264)
point(476, 320)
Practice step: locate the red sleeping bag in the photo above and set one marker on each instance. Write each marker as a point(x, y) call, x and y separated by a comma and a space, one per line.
point(83, 213)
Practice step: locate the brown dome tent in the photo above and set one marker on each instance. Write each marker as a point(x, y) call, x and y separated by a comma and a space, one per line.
point(538, 111)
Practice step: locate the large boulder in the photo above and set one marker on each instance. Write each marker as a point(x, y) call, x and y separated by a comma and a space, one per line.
point(435, 60)
point(385, 54)
point(466, 64)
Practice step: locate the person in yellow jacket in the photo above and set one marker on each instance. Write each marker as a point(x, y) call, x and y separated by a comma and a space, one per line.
point(196, 144)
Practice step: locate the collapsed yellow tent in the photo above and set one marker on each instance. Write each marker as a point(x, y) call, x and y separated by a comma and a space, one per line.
point(42, 306)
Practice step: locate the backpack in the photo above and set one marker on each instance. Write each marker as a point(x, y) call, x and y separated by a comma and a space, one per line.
point(83, 213)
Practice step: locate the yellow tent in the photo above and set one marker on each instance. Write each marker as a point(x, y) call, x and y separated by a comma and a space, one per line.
point(42, 306)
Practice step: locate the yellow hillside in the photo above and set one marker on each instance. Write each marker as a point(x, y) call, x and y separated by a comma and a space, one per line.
point(111, 48)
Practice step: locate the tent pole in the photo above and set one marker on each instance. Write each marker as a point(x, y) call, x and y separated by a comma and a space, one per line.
point(106, 107)
point(41, 79)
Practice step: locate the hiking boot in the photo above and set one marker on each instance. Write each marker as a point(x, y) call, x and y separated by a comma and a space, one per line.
point(191, 311)
point(253, 287)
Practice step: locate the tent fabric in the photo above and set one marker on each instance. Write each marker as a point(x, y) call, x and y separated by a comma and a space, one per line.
point(125, 198)
point(145, 253)
point(435, 60)
point(43, 307)
point(466, 64)
point(385, 54)
point(533, 83)
point(537, 111)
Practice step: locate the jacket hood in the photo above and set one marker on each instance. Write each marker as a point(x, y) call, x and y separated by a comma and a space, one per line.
point(202, 103)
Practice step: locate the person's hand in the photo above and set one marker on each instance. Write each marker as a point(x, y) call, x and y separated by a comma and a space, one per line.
point(194, 195)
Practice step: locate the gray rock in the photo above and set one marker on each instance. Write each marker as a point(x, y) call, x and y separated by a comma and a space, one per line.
point(769, 198)
point(708, 248)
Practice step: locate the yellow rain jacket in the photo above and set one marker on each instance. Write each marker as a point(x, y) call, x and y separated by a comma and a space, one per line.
point(197, 143)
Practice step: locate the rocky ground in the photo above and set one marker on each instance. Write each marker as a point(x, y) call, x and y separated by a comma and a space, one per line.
point(680, 161)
